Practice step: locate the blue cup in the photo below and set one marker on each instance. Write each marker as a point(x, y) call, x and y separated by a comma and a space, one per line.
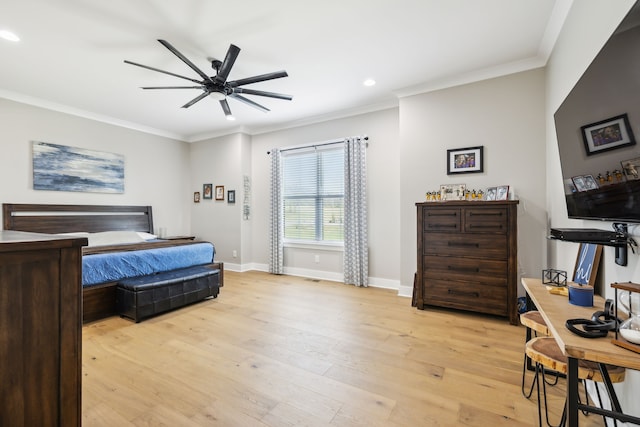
point(580, 295)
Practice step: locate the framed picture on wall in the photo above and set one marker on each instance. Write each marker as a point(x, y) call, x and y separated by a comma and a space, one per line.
point(196, 197)
point(219, 192)
point(207, 191)
point(231, 196)
point(465, 160)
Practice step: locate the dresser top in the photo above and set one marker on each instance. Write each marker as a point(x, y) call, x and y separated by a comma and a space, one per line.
point(469, 203)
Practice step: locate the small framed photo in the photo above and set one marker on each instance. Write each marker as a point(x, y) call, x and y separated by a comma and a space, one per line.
point(196, 197)
point(219, 192)
point(231, 196)
point(590, 182)
point(579, 183)
point(207, 191)
point(464, 160)
point(631, 168)
point(452, 191)
point(502, 192)
point(609, 134)
point(490, 194)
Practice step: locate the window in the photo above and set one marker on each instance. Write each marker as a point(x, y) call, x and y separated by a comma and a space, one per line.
point(313, 193)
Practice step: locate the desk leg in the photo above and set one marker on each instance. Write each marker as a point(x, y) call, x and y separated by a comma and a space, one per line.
point(572, 392)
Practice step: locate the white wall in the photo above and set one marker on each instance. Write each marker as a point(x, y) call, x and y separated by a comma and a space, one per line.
point(219, 161)
point(506, 116)
point(587, 28)
point(383, 196)
point(156, 168)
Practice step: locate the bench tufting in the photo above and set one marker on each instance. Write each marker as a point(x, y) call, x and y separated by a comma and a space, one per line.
point(144, 296)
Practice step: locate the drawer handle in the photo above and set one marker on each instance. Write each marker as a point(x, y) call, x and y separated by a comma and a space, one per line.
point(465, 269)
point(464, 244)
point(464, 293)
point(442, 213)
point(485, 214)
point(443, 226)
point(486, 226)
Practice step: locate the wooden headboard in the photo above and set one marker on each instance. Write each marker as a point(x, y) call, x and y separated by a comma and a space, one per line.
point(76, 218)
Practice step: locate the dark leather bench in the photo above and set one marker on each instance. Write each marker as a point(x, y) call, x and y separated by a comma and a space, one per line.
point(141, 297)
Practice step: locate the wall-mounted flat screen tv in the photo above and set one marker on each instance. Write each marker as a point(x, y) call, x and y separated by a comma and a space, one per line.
point(596, 126)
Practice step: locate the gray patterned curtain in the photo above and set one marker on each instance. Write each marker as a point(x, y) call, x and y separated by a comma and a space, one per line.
point(356, 255)
point(276, 229)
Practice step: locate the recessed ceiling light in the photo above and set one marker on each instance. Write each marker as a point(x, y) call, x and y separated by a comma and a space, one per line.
point(8, 35)
point(369, 82)
point(230, 118)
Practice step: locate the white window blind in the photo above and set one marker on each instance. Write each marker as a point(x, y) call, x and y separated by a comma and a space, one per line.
point(313, 193)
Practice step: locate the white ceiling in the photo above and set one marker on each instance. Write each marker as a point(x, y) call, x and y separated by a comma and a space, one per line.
point(71, 53)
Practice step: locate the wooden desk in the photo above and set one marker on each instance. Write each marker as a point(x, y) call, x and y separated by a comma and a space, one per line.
point(555, 310)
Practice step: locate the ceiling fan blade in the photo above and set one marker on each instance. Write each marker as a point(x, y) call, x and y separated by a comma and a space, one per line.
point(260, 78)
point(249, 102)
point(162, 71)
point(171, 87)
point(184, 59)
point(263, 93)
point(227, 64)
point(225, 107)
point(196, 99)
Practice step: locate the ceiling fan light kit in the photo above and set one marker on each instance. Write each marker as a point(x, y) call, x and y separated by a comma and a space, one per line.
point(218, 87)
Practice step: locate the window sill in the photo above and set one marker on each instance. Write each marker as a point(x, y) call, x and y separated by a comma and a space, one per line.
point(324, 246)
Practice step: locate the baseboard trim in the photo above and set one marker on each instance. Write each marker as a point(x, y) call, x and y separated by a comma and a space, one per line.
point(374, 282)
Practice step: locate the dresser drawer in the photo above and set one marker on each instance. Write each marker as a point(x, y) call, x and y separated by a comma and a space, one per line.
point(466, 296)
point(465, 244)
point(486, 220)
point(449, 220)
point(488, 272)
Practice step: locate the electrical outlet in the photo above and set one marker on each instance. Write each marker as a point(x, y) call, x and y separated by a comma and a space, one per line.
point(317, 258)
point(235, 254)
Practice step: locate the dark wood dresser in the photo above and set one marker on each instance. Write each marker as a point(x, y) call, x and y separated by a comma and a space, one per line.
point(40, 330)
point(468, 256)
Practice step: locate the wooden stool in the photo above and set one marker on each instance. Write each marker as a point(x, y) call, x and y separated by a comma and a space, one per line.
point(535, 324)
point(544, 351)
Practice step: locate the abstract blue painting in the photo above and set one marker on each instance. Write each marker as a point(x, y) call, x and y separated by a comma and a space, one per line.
point(62, 168)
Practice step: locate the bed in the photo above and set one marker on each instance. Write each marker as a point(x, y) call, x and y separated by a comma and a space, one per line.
point(121, 246)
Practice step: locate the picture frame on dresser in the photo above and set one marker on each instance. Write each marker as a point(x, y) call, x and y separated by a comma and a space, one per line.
point(490, 194)
point(502, 192)
point(452, 191)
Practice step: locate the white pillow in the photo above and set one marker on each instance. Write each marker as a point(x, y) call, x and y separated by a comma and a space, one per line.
point(114, 238)
point(146, 236)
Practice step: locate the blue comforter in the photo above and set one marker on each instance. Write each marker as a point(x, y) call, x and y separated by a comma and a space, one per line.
point(113, 266)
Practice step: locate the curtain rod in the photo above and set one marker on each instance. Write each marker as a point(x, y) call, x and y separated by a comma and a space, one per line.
point(319, 144)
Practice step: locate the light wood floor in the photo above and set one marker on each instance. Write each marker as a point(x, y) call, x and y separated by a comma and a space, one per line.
point(287, 351)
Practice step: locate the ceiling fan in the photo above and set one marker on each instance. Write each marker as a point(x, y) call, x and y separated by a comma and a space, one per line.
point(217, 85)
